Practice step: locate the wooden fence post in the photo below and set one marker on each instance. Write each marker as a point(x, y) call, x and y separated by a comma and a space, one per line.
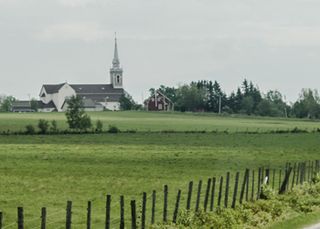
point(309, 170)
point(43, 218)
point(252, 186)
point(273, 177)
point(243, 185)
point(121, 212)
point(289, 166)
point(298, 173)
point(108, 211)
point(143, 213)
point(189, 195)
point(285, 181)
point(304, 171)
point(294, 175)
point(247, 184)
point(280, 171)
point(176, 209)
point(198, 195)
point(227, 190)
point(165, 204)
point(206, 198)
point(235, 191)
point(312, 172)
point(89, 215)
point(20, 218)
point(133, 214)
point(213, 189)
point(153, 209)
point(259, 183)
point(220, 191)
point(69, 215)
point(1, 220)
point(301, 172)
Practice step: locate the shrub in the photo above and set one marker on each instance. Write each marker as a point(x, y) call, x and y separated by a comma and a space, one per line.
point(43, 126)
point(54, 126)
point(113, 129)
point(99, 126)
point(30, 129)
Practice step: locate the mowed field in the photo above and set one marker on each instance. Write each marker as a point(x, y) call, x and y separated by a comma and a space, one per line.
point(37, 171)
point(155, 121)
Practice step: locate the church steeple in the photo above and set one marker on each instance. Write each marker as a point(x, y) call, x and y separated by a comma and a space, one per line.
point(115, 61)
point(116, 70)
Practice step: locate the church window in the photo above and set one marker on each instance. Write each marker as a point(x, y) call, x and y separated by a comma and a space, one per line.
point(118, 79)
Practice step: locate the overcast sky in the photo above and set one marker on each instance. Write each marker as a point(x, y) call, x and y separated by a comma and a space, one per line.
point(275, 43)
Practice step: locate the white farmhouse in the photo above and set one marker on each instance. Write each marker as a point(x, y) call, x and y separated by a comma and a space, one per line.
point(96, 97)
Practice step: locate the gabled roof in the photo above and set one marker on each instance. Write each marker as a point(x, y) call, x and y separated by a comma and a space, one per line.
point(95, 92)
point(158, 92)
point(52, 88)
point(42, 105)
point(96, 89)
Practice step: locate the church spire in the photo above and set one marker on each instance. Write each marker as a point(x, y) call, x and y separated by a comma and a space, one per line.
point(115, 61)
point(116, 71)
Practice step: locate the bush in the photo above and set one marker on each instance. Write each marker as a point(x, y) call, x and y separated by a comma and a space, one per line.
point(43, 126)
point(54, 126)
point(30, 129)
point(99, 126)
point(113, 129)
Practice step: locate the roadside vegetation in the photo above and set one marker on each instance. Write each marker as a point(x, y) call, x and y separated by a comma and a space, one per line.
point(262, 213)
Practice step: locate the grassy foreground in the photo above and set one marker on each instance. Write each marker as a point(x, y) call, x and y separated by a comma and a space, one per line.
point(155, 121)
point(37, 171)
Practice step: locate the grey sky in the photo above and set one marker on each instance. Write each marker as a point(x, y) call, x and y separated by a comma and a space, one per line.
point(275, 43)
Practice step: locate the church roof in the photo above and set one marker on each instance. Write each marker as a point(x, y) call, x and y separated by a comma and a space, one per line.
point(98, 92)
point(96, 89)
point(52, 88)
point(42, 105)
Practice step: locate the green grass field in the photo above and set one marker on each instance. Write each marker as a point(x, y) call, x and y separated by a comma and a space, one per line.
point(37, 171)
point(152, 121)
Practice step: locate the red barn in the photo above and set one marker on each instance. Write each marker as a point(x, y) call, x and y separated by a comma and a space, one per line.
point(159, 102)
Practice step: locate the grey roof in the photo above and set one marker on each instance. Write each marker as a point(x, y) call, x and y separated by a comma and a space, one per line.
point(21, 104)
point(96, 89)
point(98, 92)
point(27, 104)
point(52, 88)
point(95, 92)
point(102, 97)
point(42, 105)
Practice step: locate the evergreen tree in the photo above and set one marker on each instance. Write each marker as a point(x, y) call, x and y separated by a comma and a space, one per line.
point(76, 116)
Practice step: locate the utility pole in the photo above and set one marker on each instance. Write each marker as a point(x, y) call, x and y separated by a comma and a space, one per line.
point(219, 104)
point(285, 107)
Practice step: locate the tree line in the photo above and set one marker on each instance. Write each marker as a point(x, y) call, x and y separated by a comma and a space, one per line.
point(208, 96)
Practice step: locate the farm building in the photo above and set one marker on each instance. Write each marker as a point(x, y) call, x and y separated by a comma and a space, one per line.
point(96, 97)
point(31, 106)
point(159, 102)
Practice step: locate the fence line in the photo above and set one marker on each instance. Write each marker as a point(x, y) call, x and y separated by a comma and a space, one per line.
point(204, 198)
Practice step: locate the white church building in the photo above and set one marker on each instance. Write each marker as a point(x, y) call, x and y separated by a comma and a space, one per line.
point(96, 97)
